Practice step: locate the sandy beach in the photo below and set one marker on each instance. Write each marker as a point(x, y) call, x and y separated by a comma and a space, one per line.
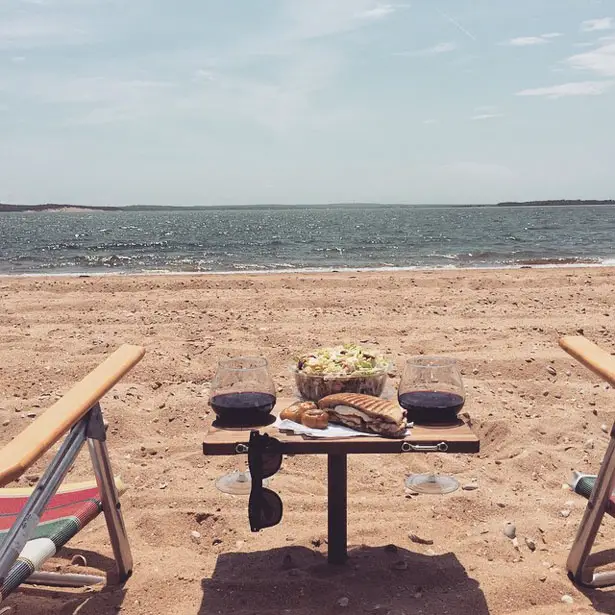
point(502, 325)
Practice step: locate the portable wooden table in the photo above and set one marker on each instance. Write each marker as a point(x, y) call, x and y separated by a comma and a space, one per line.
point(456, 438)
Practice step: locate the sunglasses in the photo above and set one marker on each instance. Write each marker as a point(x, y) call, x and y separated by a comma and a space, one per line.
point(264, 460)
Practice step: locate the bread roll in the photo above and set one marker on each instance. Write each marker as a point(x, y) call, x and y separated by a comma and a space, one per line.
point(295, 411)
point(315, 419)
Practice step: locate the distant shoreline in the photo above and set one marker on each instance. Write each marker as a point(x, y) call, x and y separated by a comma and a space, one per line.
point(57, 207)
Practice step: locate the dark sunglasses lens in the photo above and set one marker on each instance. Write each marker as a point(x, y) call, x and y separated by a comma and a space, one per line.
point(271, 463)
point(265, 509)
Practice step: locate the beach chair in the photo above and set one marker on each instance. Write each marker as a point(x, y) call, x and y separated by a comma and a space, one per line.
point(35, 523)
point(598, 489)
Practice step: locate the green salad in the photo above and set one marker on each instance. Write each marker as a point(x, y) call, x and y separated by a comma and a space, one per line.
point(345, 360)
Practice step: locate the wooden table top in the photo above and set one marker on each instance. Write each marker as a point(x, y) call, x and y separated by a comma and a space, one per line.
point(459, 438)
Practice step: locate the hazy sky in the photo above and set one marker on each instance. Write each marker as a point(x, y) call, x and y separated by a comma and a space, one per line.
point(304, 101)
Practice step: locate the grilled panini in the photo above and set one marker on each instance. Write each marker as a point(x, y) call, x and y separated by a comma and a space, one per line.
point(366, 413)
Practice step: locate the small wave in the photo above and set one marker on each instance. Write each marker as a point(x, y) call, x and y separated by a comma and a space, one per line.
point(558, 261)
point(317, 270)
point(113, 260)
point(244, 266)
point(452, 257)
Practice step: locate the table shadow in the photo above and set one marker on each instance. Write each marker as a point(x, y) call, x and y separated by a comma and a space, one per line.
point(299, 581)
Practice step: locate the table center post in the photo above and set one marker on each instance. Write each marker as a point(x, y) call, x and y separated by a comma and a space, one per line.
point(337, 513)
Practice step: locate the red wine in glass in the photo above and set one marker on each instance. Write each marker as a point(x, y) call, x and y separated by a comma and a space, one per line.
point(432, 392)
point(431, 406)
point(242, 395)
point(244, 408)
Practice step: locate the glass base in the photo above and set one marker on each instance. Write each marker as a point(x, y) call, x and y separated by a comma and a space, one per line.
point(236, 483)
point(431, 483)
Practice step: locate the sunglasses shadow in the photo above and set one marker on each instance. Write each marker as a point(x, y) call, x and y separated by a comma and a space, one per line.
point(298, 580)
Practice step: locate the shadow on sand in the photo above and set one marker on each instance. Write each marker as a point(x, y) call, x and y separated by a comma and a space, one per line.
point(603, 599)
point(66, 601)
point(298, 581)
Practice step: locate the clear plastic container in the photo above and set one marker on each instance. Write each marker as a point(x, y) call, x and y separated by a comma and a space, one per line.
point(313, 387)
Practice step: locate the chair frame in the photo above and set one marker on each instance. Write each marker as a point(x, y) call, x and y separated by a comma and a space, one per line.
point(581, 562)
point(84, 423)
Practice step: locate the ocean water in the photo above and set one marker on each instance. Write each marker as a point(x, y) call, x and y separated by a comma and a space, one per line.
point(299, 238)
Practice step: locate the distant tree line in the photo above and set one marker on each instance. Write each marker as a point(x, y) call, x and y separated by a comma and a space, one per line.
point(560, 202)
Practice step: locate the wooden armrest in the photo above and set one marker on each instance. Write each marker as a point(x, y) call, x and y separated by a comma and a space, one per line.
point(19, 454)
point(591, 355)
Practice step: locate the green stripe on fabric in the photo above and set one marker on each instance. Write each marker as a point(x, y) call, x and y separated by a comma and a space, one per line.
point(44, 530)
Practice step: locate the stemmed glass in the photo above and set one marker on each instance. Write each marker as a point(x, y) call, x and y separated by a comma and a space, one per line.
point(242, 395)
point(432, 392)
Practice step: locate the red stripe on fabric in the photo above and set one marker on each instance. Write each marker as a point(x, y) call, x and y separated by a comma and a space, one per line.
point(84, 512)
point(10, 505)
point(87, 513)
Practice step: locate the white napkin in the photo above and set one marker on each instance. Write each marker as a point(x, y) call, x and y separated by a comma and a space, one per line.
point(331, 431)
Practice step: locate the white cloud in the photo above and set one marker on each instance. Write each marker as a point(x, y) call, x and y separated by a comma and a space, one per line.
point(600, 61)
point(430, 51)
point(316, 19)
point(377, 12)
point(486, 112)
point(26, 31)
point(528, 41)
point(220, 84)
point(486, 116)
point(592, 25)
point(93, 100)
point(430, 121)
point(579, 88)
point(282, 102)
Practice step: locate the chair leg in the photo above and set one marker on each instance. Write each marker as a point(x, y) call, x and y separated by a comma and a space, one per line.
point(579, 565)
point(109, 496)
point(57, 579)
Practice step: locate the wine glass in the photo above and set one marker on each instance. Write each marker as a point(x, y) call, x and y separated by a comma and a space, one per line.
point(242, 395)
point(432, 392)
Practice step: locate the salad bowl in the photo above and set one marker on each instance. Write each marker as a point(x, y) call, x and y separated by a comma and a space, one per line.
point(348, 368)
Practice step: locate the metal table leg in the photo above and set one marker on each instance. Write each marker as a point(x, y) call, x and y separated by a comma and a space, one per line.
point(337, 487)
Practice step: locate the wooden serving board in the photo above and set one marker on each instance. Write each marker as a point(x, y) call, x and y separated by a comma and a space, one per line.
point(458, 437)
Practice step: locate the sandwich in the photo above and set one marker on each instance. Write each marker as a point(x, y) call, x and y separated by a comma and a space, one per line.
point(366, 413)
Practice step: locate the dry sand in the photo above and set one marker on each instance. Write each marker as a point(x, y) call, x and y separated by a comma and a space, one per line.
point(502, 325)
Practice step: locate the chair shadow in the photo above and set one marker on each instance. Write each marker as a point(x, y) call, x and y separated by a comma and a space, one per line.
point(602, 599)
point(298, 581)
point(99, 600)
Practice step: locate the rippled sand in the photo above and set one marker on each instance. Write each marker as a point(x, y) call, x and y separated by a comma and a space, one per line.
point(502, 325)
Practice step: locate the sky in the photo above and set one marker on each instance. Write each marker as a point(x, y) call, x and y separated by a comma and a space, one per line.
point(220, 102)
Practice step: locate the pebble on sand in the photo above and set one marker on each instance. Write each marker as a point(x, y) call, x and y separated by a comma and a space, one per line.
point(196, 536)
point(567, 599)
point(420, 541)
point(510, 530)
point(470, 487)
